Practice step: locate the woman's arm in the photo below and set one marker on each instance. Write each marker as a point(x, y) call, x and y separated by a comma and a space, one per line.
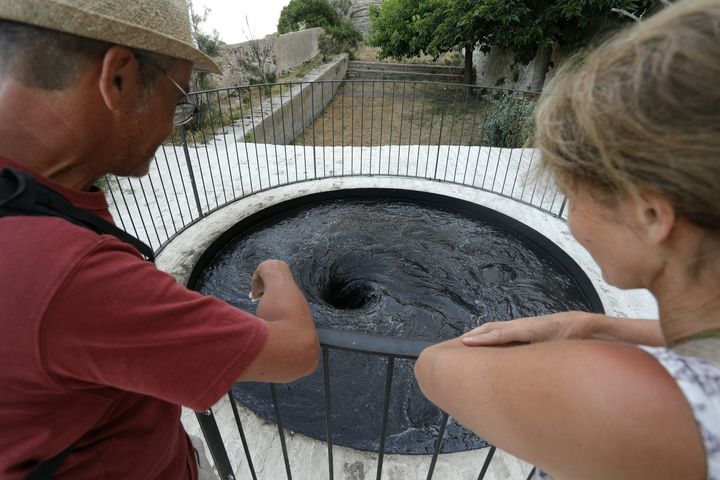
point(576, 409)
point(564, 326)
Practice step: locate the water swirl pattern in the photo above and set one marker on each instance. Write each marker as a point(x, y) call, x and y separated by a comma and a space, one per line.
point(412, 268)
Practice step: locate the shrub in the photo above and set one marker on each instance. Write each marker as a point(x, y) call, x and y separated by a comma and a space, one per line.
point(340, 39)
point(508, 122)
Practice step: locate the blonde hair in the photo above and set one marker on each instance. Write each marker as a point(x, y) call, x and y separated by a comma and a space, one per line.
point(642, 112)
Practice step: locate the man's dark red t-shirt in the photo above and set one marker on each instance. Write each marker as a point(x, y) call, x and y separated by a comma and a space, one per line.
point(100, 349)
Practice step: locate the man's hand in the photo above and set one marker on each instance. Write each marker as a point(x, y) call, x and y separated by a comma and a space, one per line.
point(557, 326)
point(268, 272)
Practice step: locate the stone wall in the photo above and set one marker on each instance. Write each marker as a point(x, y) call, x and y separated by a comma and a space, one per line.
point(287, 51)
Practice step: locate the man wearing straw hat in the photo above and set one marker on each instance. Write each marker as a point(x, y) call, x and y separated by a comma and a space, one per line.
point(98, 348)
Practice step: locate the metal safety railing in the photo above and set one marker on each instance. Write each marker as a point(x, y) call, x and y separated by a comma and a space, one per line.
point(251, 139)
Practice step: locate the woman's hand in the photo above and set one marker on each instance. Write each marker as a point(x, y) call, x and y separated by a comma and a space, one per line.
point(557, 326)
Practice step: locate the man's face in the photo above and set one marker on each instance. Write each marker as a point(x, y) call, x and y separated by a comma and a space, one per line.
point(152, 121)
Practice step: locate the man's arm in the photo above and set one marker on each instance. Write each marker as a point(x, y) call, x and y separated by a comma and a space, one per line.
point(292, 346)
point(566, 326)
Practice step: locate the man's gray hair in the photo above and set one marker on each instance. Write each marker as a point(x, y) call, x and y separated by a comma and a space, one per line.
point(51, 60)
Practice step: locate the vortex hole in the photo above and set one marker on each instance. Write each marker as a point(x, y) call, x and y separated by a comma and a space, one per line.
point(347, 294)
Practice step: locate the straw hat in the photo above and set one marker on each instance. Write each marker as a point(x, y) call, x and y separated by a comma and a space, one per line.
point(160, 26)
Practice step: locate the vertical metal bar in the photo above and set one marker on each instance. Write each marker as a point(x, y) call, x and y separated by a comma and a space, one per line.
point(402, 111)
point(235, 142)
point(382, 115)
point(150, 213)
point(246, 448)
point(172, 184)
point(275, 143)
point(430, 140)
point(333, 101)
point(412, 121)
point(182, 182)
point(304, 128)
point(362, 123)
point(212, 436)
point(352, 129)
point(322, 125)
point(112, 195)
point(470, 142)
point(328, 410)
point(438, 445)
point(562, 207)
point(254, 138)
point(422, 113)
point(372, 122)
point(227, 151)
point(265, 135)
point(312, 111)
point(462, 130)
point(278, 420)
point(386, 408)
point(186, 151)
point(486, 463)
point(167, 199)
point(207, 155)
point(437, 158)
point(531, 474)
point(284, 132)
point(202, 177)
point(245, 139)
point(292, 117)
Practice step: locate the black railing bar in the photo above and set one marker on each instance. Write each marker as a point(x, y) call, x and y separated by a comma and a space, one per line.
point(486, 463)
point(328, 410)
point(235, 143)
point(547, 185)
point(265, 138)
point(137, 207)
point(114, 201)
point(322, 124)
point(392, 116)
point(245, 143)
point(241, 431)
point(502, 150)
point(227, 151)
point(147, 207)
point(519, 169)
point(157, 199)
point(489, 151)
point(390, 132)
point(412, 117)
point(362, 126)
point(314, 123)
point(127, 207)
point(217, 152)
point(294, 135)
point(210, 431)
point(167, 197)
point(430, 133)
point(507, 169)
point(174, 188)
point(254, 139)
point(182, 179)
point(470, 143)
point(284, 132)
point(453, 117)
point(382, 115)
point(530, 165)
point(419, 142)
point(372, 122)
point(531, 474)
point(200, 172)
point(281, 432)
point(386, 410)
point(207, 155)
point(275, 142)
point(375, 344)
point(462, 131)
point(304, 130)
point(438, 445)
point(440, 132)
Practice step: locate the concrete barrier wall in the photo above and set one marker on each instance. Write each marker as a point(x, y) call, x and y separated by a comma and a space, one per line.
point(307, 101)
point(287, 52)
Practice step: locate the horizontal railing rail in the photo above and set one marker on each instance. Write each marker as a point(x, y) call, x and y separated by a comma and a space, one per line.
point(252, 139)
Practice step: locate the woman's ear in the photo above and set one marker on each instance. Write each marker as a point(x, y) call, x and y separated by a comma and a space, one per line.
point(119, 79)
point(656, 217)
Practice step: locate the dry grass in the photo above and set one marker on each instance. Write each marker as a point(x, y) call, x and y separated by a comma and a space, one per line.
point(398, 113)
point(370, 54)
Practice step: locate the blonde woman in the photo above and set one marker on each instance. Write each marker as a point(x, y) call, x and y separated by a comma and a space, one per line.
point(632, 136)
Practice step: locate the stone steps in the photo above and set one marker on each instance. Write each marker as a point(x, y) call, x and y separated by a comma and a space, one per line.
point(403, 71)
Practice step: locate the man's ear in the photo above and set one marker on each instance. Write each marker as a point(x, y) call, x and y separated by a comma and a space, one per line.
point(119, 80)
point(656, 217)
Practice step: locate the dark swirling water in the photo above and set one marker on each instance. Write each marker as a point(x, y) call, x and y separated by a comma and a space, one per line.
point(394, 268)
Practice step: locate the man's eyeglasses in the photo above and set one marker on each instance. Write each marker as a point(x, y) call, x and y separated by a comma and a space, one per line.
point(185, 109)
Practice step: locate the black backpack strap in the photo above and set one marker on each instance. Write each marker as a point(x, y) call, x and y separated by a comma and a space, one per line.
point(45, 470)
point(21, 194)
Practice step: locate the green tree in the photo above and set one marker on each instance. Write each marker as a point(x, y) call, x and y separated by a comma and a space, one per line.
point(210, 44)
point(300, 14)
point(530, 28)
